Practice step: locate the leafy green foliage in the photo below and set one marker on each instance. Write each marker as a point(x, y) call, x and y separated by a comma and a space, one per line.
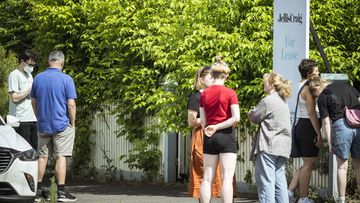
point(8, 62)
point(123, 53)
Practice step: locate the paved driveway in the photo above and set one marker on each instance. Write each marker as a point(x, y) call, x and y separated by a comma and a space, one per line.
point(138, 193)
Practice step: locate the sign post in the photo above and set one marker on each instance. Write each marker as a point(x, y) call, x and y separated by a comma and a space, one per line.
point(291, 41)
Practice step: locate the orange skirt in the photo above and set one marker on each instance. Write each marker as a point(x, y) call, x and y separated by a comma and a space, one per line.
point(197, 167)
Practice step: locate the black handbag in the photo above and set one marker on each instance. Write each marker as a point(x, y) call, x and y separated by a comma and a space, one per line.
point(295, 145)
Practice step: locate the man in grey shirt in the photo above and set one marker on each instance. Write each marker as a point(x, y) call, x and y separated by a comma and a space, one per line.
point(20, 81)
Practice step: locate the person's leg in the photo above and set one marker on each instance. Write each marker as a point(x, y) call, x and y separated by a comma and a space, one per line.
point(356, 165)
point(342, 166)
point(196, 163)
point(281, 194)
point(305, 175)
point(42, 162)
point(45, 147)
point(60, 170)
point(265, 177)
point(293, 185)
point(63, 147)
point(228, 163)
point(24, 131)
point(210, 165)
point(33, 135)
point(294, 181)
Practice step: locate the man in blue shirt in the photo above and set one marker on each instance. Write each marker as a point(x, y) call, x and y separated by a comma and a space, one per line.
point(53, 99)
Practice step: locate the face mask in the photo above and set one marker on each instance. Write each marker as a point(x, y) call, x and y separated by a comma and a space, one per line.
point(28, 69)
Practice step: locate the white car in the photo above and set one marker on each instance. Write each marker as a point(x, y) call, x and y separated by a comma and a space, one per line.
point(18, 166)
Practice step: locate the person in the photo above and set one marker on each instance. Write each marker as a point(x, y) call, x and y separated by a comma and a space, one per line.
point(272, 144)
point(307, 132)
point(203, 80)
point(219, 112)
point(53, 98)
point(20, 81)
point(342, 138)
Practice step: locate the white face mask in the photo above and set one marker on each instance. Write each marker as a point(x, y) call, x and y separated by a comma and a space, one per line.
point(28, 69)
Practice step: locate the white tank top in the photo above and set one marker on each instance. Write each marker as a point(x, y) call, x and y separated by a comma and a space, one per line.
point(302, 110)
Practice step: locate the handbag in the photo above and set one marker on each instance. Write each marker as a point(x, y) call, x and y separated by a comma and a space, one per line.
point(295, 145)
point(352, 117)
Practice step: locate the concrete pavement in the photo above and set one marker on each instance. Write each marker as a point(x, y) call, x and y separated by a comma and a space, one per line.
point(139, 193)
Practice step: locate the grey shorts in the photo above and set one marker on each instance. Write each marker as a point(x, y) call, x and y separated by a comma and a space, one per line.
point(60, 144)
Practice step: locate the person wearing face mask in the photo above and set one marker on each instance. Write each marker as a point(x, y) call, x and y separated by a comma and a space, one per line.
point(19, 85)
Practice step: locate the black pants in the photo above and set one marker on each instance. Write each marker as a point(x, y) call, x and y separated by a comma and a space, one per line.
point(28, 130)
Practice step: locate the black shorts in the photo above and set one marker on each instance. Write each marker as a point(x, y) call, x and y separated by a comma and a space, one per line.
point(305, 135)
point(222, 141)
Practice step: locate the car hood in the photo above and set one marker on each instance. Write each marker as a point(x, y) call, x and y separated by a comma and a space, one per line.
point(10, 139)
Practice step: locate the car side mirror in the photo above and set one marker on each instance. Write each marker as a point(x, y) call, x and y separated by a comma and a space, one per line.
point(12, 121)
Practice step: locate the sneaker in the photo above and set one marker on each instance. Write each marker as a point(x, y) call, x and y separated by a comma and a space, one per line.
point(305, 200)
point(39, 195)
point(65, 196)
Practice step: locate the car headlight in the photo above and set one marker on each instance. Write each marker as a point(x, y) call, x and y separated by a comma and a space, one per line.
point(29, 155)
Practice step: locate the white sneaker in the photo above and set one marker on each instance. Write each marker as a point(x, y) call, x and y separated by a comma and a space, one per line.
point(305, 200)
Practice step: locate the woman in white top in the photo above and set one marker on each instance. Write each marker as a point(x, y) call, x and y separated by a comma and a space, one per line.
point(307, 132)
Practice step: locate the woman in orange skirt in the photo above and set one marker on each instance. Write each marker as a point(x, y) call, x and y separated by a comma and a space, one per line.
point(203, 80)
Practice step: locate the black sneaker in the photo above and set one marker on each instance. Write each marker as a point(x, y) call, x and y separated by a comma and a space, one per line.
point(65, 196)
point(42, 194)
point(39, 195)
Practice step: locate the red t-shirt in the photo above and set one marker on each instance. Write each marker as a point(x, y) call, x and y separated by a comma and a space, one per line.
point(216, 101)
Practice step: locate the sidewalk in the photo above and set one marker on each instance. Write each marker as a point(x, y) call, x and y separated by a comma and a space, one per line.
point(139, 193)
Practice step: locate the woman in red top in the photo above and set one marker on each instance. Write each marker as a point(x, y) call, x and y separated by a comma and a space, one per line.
point(203, 80)
point(219, 112)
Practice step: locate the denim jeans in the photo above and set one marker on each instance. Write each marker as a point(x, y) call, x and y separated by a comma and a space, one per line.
point(345, 139)
point(270, 178)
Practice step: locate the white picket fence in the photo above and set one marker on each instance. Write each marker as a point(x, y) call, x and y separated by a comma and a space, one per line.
point(105, 138)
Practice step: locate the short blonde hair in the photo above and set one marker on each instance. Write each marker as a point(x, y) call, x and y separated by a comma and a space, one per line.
point(201, 73)
point(220, 69)
point(281, 86)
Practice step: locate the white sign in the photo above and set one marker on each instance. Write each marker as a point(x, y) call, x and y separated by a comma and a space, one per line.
point(291, 41)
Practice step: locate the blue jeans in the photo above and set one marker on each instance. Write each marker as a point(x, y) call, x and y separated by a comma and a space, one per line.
point(270, 178)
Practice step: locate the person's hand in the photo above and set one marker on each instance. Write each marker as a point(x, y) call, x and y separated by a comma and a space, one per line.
point(329, 143)
point(210, 130)
point(318, 141)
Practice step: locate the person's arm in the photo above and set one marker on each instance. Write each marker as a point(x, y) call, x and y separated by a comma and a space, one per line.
point(33, 104)
point(234, 119)
point(193, 121)
point(327, 129)
point(203, 119)
point(257, 114)
point(17, 97)
point(310, 106)
point(71, 105)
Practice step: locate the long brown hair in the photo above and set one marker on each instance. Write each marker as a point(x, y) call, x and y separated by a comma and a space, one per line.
point(201, 73)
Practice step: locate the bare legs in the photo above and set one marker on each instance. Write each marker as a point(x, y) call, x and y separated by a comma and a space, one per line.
point(305, 175)
point(60, 169)
point(210, 164)
point(42, 161)
point(228, 163)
